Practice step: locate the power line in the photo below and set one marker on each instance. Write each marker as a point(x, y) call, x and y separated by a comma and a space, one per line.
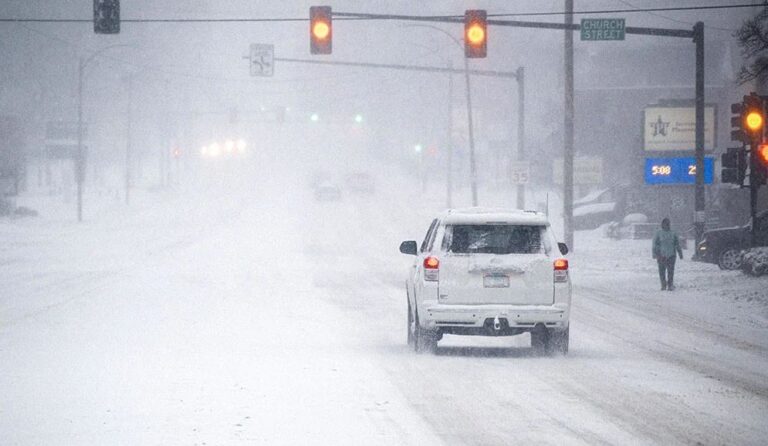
point(633, 10)
point(361, 16)
point(672, 19)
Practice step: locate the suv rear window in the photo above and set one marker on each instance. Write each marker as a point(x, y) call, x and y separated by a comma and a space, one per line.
point(493, 239)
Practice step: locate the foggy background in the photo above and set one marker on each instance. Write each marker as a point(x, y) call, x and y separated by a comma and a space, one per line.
point(191, 85)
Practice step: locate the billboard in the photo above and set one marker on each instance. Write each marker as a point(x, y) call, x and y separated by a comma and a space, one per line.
point(586, 170)
point(667, 129)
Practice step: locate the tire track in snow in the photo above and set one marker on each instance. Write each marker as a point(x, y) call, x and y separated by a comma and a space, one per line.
point(681, 355)
point(653, 313)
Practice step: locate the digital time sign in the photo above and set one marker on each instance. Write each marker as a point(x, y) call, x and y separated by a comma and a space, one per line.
point(676, 170)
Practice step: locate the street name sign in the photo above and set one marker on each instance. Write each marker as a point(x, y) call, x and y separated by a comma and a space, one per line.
point(602, 29)
point(262, 58)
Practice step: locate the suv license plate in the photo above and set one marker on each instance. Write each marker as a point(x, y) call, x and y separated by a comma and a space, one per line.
point(495, 281)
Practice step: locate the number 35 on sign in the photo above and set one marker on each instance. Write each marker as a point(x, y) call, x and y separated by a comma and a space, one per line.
point(519, 172)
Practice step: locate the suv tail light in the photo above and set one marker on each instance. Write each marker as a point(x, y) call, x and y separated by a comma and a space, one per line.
point(561, 270)
point(431, 269)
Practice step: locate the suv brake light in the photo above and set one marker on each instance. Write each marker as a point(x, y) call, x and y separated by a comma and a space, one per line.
point(431, 269)
point(561, 270)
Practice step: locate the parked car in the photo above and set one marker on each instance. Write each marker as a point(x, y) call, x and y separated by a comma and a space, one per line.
point(600, 207)
point(489, 272)
point(723, 246)
point(327, 191)
point(360, 182)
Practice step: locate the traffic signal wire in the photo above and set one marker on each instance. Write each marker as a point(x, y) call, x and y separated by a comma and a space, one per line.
point(363, 16)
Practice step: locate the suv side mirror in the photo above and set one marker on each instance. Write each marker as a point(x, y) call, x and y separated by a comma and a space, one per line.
point(409, 247)
point(563, 248)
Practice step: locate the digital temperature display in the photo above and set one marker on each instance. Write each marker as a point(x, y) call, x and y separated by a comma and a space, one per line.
point(676, 170)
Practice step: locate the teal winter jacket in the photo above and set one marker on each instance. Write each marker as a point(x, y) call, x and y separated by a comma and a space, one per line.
point(666, 244)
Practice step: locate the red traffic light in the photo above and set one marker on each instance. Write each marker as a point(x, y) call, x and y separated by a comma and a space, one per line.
point(320, 30)
point(475, 33)
point(762, 154)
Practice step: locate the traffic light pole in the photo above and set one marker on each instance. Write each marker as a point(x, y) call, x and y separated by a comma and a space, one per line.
point(753, 187)
point(568, 128)
point(699, 217)
point(472, 162)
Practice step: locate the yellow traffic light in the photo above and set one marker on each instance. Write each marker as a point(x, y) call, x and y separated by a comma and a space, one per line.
point(476, 34)
point(754, 120)
point(321, 30)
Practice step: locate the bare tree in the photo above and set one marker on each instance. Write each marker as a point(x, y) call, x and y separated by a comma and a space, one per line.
point(753, 40)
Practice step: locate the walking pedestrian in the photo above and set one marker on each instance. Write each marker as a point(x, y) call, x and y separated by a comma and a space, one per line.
point(665, 245)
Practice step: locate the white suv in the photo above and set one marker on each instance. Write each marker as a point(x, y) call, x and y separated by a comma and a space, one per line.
point(489, 272)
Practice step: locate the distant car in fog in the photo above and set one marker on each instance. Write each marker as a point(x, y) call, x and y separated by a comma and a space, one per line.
point(360, 182)
point(489, 272)
point(327, 191)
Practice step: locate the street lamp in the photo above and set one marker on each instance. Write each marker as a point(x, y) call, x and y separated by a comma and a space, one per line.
point(472, 164)
point(80, 161)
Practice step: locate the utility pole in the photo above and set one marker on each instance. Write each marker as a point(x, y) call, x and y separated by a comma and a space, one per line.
point(699, 217)
point(449, 177)
point(520, 131)
point(80, 160)
point(568, 128)
point(129, 142)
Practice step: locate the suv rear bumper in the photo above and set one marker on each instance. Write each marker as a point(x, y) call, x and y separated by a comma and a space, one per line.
point(493, 319)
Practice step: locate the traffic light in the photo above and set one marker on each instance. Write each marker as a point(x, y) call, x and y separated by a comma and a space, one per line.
point(737, 121)
point(753, 114)
point(762, 155)
point(475, 33)
point(106, 16)
point(759, 172)
point(734, 165)
point(320, 30)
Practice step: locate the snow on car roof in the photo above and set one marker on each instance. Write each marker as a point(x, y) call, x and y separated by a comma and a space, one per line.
point(479, 215)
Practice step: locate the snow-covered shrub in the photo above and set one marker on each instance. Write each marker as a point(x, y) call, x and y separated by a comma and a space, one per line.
point(755, 261)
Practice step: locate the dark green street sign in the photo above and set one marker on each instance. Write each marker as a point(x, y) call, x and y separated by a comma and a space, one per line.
point(602, 29)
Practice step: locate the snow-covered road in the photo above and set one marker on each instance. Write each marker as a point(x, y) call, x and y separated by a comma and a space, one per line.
point(252, 314)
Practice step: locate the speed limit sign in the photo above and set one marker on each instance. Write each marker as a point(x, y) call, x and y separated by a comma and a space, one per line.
point(519, 172)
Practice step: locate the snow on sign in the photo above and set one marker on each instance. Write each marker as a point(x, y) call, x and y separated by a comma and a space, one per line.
point(61, 139)
point(667, 129)
point(519, 172)
point(602, 29)
point(262, 58)
point(586, 170)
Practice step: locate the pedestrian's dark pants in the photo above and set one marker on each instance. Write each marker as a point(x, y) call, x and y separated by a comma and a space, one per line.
point(666, 271)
